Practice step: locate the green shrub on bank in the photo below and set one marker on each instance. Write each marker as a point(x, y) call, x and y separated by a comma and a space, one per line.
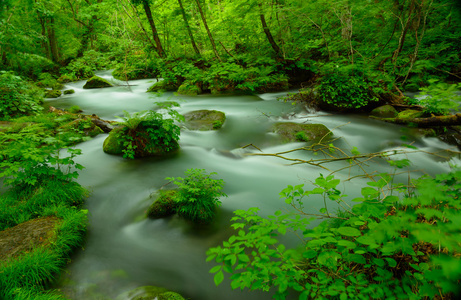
point(386, 246)
point(17, 97)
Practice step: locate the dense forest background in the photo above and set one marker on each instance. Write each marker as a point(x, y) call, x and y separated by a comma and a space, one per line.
point(393, 45)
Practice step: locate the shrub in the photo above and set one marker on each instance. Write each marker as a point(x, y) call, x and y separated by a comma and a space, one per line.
point(16, 96)
point(198, 195)
point(345, 88)
point(441, 98)
point(384, 247)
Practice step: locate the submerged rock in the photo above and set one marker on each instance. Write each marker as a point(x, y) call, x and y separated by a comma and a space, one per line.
point(292, 132)
point(150, 293)
point(385, 111)
point(68, 92)
point(410, 114)
point(204, 119)
point(97, 82)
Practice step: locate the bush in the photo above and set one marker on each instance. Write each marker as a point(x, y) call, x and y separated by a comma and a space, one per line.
point(384, 247)
point(441, 98)
point(198, 195)
point(345, 88)
point(17, 97)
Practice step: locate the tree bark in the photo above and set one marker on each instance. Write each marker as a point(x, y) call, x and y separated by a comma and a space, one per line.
point(52, 40)
point(268, 33)
point(189, 31)
point(207, 30)
point(450, 120)
point(157, 41)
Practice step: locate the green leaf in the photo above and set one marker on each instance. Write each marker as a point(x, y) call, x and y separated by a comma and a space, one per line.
point(215, 269)
point(348, 231)
point(218, 278)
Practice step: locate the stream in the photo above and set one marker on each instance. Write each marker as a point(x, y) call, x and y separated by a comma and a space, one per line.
point(124, 250)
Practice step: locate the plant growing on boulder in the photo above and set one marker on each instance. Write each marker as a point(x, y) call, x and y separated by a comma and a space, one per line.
point(198, 195)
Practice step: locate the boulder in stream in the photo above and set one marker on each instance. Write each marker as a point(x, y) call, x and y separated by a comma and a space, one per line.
point(189, 89)
point(97, 82)
point(53, 93)
point(163, 86)
point(295, 132)
point(384, 111)
point(204, 120)
point(150, 293)
point(164, 206)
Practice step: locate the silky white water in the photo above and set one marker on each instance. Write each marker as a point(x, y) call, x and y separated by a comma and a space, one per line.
point(124, 250)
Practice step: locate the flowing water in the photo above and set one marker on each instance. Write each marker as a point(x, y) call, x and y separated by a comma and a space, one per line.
point(124, 250)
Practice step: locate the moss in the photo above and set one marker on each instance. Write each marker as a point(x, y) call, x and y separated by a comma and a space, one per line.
point(170, 296)
point(66, 78)
point(274, 86)
point(385, 111)
point(292, 132)
point(204, 119)
point(68, 92)
point(143, 293)
point(113, 144)
point(97, 82)
point(163, 86)
point(190, 89)
point(52, 93)
point(410, 114)
point(164, 206)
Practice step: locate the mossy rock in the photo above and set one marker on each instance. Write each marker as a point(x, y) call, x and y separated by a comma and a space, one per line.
point(292, 132)
point(142, 145)
point(68, 92)
point(112, 144)
point(163, 86)
point(410, 114)
point(52, 93)
point(97, 82)
point(189, 89)
point(385, 111)
point(84, 125)
point(143, 293)
point(164, 206)
point(204, 119)
point(170, 296)
point(66, 78)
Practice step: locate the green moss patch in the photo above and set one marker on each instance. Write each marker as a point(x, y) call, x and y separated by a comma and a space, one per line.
point(97, 82)
point(204, 119)
point(164, 206)
point(163, 86)
point(292, 132)
point(150, 292)
point(190, 89)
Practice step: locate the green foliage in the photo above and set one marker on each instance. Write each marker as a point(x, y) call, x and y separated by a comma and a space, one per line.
point(346, 88)
point(148, 129)
point(17, 97)
point(84, 67)
point(441, 98)
point(198, 195)
point(383, 247)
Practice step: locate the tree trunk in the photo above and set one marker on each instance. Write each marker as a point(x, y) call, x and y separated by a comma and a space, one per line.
point(450, 120)
point(189, 31)
point(207, 30)
point(268, 33)
point(45, 45)
point(157, 41)
point(52, 40)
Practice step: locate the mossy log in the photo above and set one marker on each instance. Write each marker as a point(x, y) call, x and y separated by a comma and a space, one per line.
point(433, 121)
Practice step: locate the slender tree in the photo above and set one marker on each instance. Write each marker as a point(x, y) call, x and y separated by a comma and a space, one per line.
point(213, 45)
point(147, 10)
point(189, 31)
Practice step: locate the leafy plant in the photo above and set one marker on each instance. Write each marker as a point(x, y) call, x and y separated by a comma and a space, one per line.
point(441, 98)
point(383, 247)
point(16, 96)
point(198, 195)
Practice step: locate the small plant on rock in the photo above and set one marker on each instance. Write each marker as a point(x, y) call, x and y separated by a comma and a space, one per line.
point(198, 195)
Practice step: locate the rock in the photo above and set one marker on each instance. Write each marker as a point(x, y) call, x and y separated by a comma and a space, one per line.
point(66, 78)
point(85, 125)
point(190, 89)
point(143, 293)
point(385, 111)
point(142, 145)
point(292, 132)
point(68, 92)
point(164, 206)
point(27, 236)
point(104, 125)
point(170, 296)
point(112, 144)
point(97, 82)
point(204, 119)
point(163, 86)
point(52, 93)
